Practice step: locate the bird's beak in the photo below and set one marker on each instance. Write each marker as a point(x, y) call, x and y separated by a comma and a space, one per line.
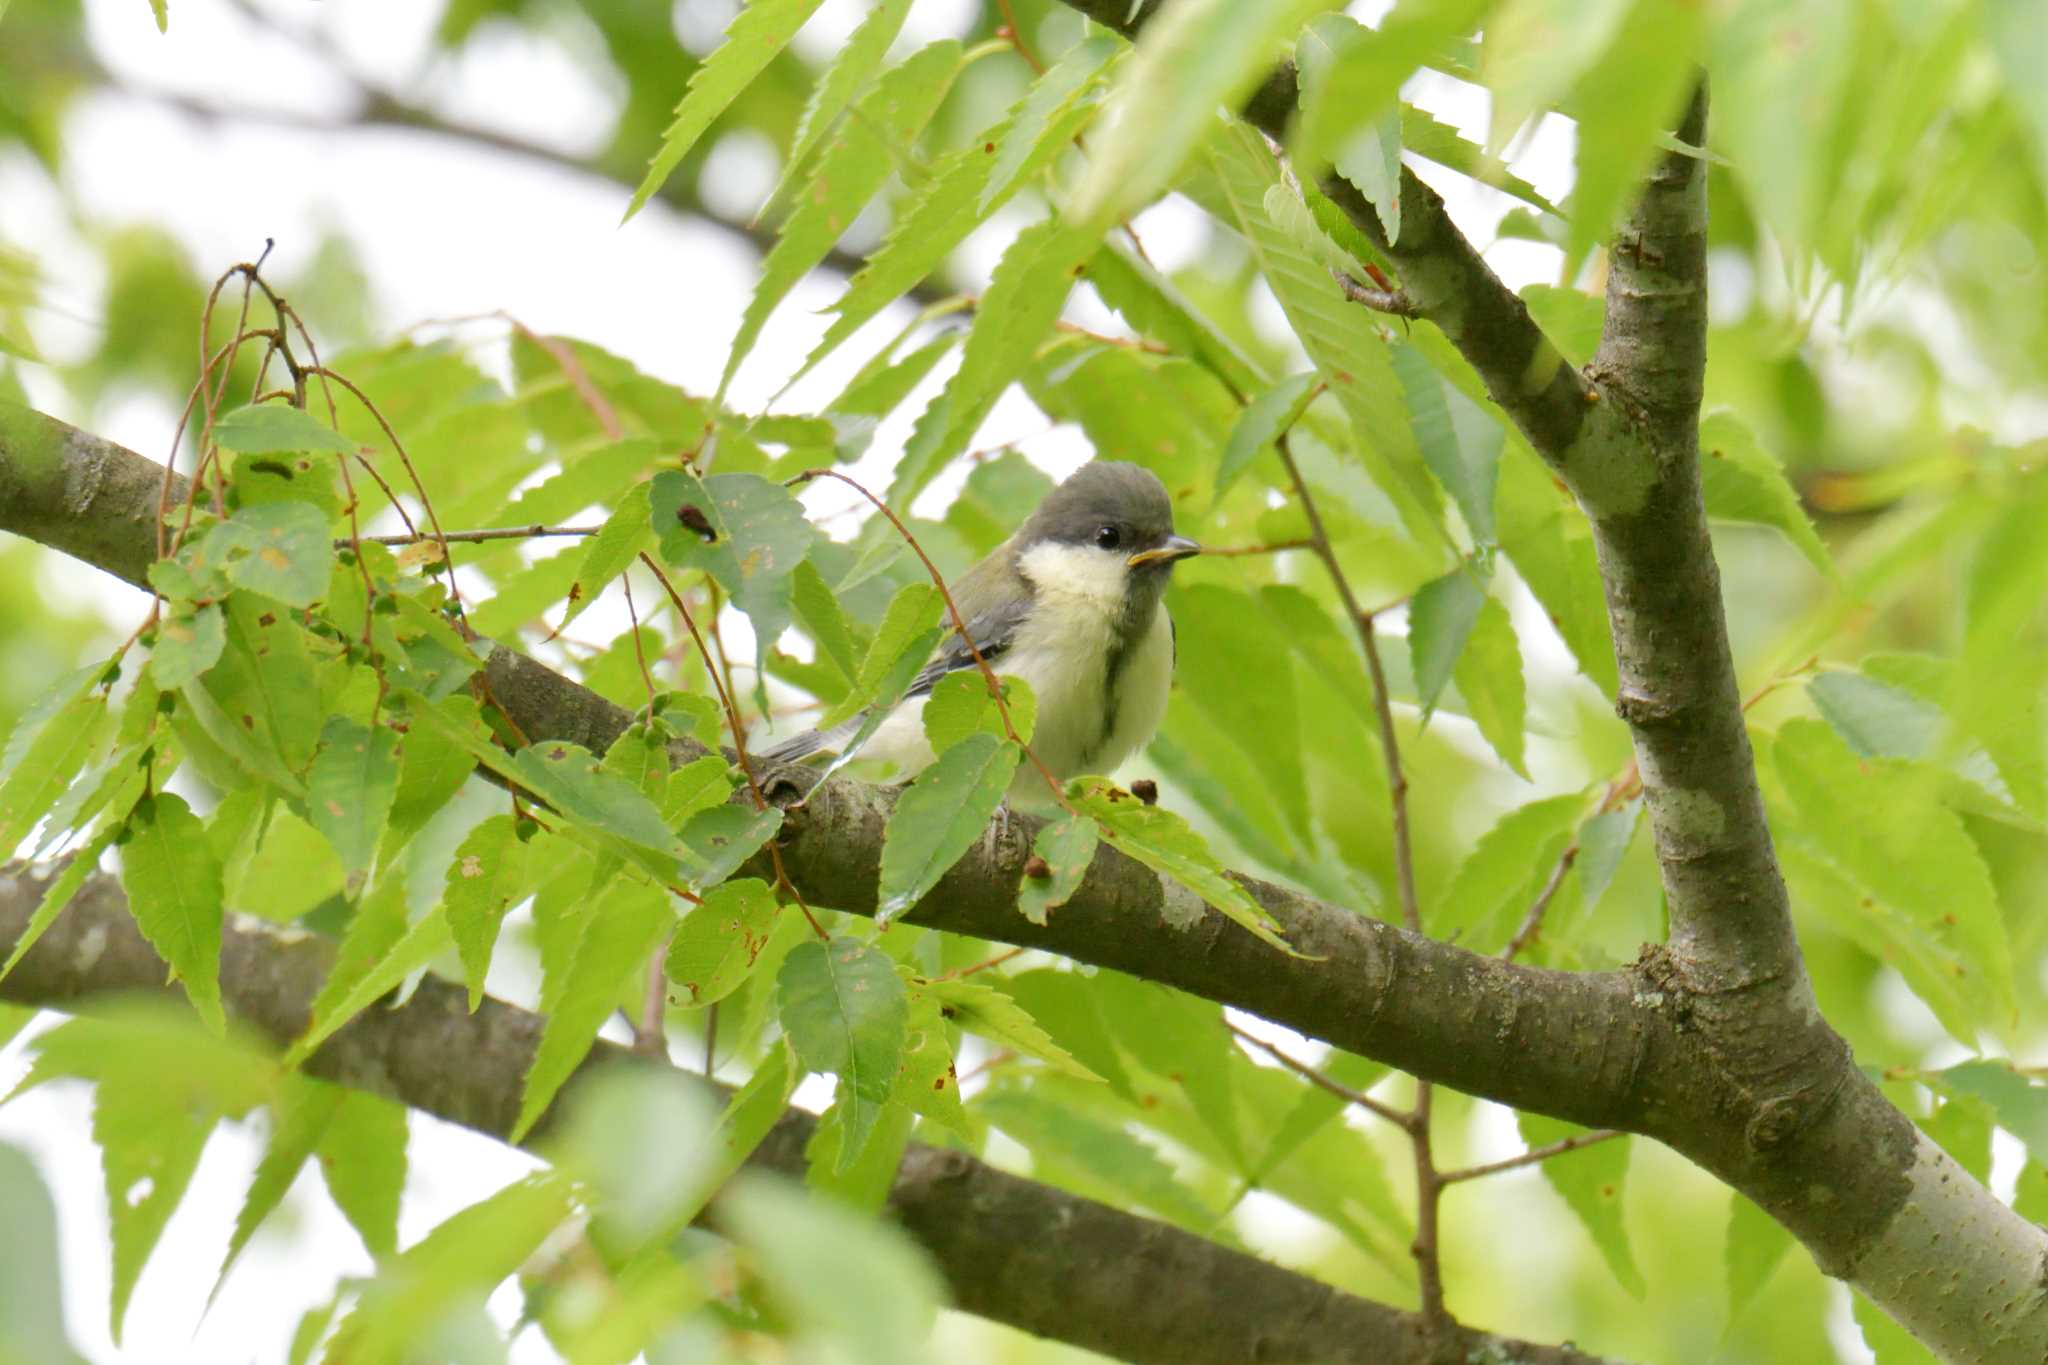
point(1174, 547)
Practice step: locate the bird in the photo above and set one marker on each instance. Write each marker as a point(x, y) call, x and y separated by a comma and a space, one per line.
point(1071, 604)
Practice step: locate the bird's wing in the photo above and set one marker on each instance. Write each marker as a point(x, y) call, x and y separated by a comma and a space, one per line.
point(993, 630)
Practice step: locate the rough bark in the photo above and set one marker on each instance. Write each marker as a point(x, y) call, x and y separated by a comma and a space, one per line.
point(1011, 1249)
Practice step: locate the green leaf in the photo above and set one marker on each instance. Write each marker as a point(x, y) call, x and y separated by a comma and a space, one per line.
point(1874, 820)
point(48, 746)
point(720, 838)
point(757, 536)
point(1191, 57)
point(1049, 97)
point(720, 940)
point(1365, 152)
point(572, 780)
point(1591, 1181)
point(845, 1011)
point(1757, 1243)
point(490, 874)
point(999, 1018)
point(363, 1162)
point(187, 644)
point(1460, 442)
point(1169, 846)
point(1266, 417)
point(379, 951)
point(1219, 631)
point(928, 1082)
point(29, 1266)
point(1497, 884)
point(759, 31)
point(1603, 840)
point(1441, 616)
point(62, 887)
point(940, 817)
point(818, 612)
point(1360, 82)
point(432, 768)
point(300, 1115)
point(856, 1288)
point(850, 71)
point(1107, 1155)
point(1625, 103)
point(1546, 537)
point(1341, 339)
point(266, 701)
point(1425, 136)
point(1742, 482)
point(1024, 297)
point(350, 789)
point(271, 428)
point(1489, 677)
point(173, 881)
point(2020, 1103)
point(961, 705)
point(859, 1178)
point(862, 154)
point(624, 924)
point(905, 637)
point(1067, 846)
point(610, 553)
point(280, 549)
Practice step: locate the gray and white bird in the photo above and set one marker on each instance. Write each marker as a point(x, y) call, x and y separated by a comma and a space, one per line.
point(1070, 604)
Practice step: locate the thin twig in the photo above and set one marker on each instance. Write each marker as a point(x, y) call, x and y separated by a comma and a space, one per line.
point(1533, 921)
point(1343, 1092)
point(1277, 547)
point(998, 960)
point(1532, 1156)
point(650, 1036)
point(488, 533)
point(1391, 301)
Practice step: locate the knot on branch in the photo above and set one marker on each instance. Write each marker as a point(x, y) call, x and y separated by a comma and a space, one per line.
point(1640, 710)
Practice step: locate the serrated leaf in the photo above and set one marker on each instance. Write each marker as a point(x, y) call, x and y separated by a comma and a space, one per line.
point(819, 613)
point(1625, 102)
point(1591, 1180)
point(1546, 537)
point(998, 1017)
point(363, 1162)
point(1268, 416)
point(862, 154)
point(718, 839)
point(1152, 306)
point(1218, 630)
point(1441, 616)
point(148, 1153)
point(842, 81)
point(432, 767)
point(617, 544)
point(878, 390)
point(572, 780)
point(1166, 843)
point(1365, 151)
point(47, 747)
point(720, 940)
point(268, 712)
point(490, 874)
point(1362, 78)
point(960, 705)
point(760, 30)
point(1488, 673)
point(173, 881)
point(280, 549)
point(187, 644)
point(757, 537)
point(299, 1116)
point(1067, 845)
point(940, 817)
point(1191, 57)
point(1742, 482)
point(1117, 1161)
point(2020, 1103)
point(379, 951)
point(1050, 96)
point(901, 645)
point(845, 1011)
point(1874, 821)
point(624, 924)
point(1423, 134)
point(1603, 841)
point(1496, 884)
point(269, 428)
point(1459, 441)
point(350, 789)
point(1757, 1243)
point(1025, 293)
point(859, 1178)
point(1341, 338)
point(84, 862)
point(928, 1082)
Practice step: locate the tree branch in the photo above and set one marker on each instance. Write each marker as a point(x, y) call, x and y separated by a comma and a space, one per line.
point(1011, 1249)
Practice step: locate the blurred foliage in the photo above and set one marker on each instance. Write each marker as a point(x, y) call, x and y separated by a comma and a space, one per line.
point(1877, 374)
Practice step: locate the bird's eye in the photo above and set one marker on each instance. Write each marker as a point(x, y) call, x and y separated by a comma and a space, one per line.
point(1108, 537)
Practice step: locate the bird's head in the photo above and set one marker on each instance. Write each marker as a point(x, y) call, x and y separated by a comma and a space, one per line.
point(1111, 520)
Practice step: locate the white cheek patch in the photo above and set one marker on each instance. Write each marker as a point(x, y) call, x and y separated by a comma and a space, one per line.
point(1097, 577)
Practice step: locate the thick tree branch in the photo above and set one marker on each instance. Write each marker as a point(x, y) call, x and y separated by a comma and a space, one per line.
point(1011, 1249)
